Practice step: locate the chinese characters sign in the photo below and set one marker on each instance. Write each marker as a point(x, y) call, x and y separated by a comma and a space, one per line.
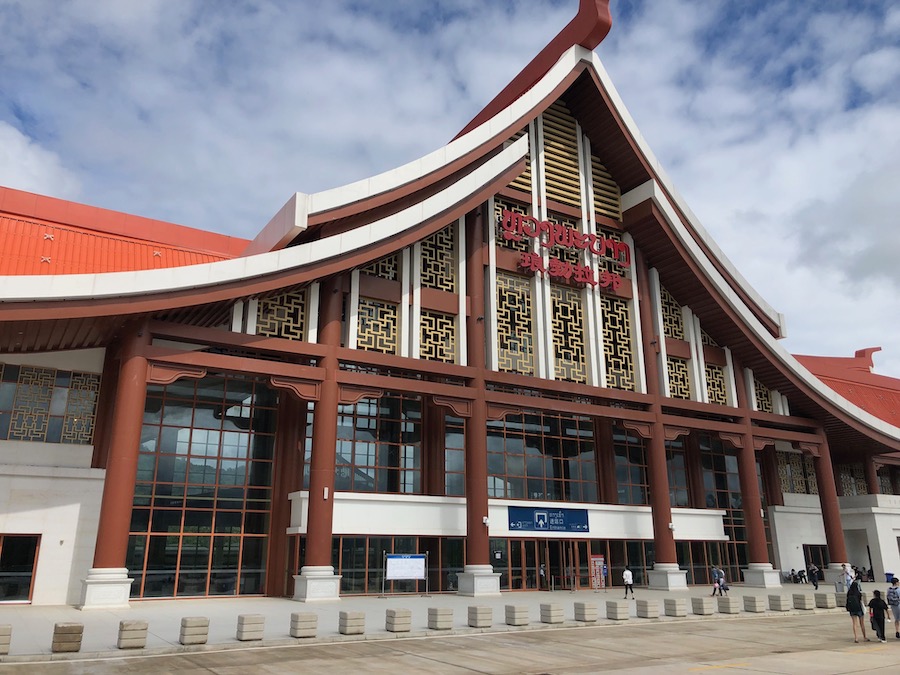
point(515, 226)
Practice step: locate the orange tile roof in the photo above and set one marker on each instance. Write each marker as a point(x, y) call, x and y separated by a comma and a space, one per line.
point(852, 378)
point(44, 235)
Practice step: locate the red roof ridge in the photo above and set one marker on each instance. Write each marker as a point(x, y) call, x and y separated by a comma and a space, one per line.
point(590, 25)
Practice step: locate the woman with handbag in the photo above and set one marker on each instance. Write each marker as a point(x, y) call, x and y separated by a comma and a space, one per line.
point(855, 607)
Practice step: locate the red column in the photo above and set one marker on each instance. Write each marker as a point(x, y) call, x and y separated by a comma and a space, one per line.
point(477, 539)
point(321, 467)
point(657, 473)
point(758, 551)
point(873, 485)
point(124, 442)
point(831, 512)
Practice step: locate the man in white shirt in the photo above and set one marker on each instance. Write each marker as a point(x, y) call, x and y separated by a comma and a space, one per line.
point(628, 580)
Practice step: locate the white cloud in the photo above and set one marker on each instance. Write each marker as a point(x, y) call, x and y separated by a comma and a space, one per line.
point(25, 165)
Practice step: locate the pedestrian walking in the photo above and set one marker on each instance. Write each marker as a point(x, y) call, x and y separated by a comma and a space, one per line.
point(628, 580)
point(846, 577)
point(814, 575)
point(855, 608)
point(718, 579)
point(877, 609)
point(893, 601)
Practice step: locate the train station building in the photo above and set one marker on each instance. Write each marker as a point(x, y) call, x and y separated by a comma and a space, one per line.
point(514, 356)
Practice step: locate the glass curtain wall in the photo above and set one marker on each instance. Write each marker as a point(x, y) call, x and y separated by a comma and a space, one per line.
point(203, 493)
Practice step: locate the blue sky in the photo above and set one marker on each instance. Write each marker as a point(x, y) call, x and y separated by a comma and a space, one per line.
point(779, 121)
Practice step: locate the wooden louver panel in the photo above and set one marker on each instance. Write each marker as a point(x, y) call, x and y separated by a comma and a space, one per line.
point(607, 195)
point(561, 155)
point(523, 180)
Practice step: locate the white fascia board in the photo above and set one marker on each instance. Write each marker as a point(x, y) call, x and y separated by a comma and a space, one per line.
point(168, 280)
point(669, 188)
point(484, 133)
point(284, 227)
point(650, 190)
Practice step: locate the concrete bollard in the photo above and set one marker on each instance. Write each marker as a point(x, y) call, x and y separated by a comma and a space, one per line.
point(587, 612)
point(517, 615)
point(351, 623)
point(779, 603)
point(194, 630)
point(840, 599)
point(480, 616)
point(440, 618)
point(132, 634)
point(702, 606)
point(803, 601)
point(398, 620)
point(647, 609)
point(304, 624)
point(825, 600)
point(250, 627)
point(617, 610)
point(675, 606)
point(67, 637)
point(5, 638)
point(551, 612)
point(728, 605)
point(754, 603)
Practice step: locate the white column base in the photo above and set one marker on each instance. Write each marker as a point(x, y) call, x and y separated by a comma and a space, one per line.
point(106, 588)
point(667, 577)
point(762, 575)
point(317, 584)
point(478, 581)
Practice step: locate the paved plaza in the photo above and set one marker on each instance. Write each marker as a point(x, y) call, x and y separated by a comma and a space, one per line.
point(815, 641)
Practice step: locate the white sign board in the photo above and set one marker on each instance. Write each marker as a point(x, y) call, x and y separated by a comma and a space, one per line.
point(404, 566)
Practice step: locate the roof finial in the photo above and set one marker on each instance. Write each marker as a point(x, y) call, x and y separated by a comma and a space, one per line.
point(590, 25)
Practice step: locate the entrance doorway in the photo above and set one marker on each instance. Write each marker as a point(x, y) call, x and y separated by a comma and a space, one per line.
point(547, 564)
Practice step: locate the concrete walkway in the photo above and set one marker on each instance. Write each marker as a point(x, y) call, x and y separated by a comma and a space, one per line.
point(32, 627)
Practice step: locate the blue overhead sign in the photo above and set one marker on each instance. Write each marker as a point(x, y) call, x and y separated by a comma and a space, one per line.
point(530, 519)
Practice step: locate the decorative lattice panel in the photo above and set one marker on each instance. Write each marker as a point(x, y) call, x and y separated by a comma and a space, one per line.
point(81, 408)
point(673, 320)
point(561, 155)
point(377, 326)
point(617, 343)
point(437, 336)
point(848, 484)
point(514, 325)
point(523, 180)
point(706, 339)
point(524, 244)
point(607, 195)
point(763, 397)
point(812, 483)
point(283, 315)
point(439, 261)
point(679, 380)
point(47, 405)
point(609, 264)
point(31, 411)
point(858, 471)
point(884, 480)
point(386, 268)
point(715, 384)
point(798, 480)
point(568, 334)
point(784, 471)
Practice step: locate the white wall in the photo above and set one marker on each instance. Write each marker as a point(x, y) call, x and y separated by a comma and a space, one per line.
point(62, 505)
point(873, 521)
point(407, 515)
point(796, 523)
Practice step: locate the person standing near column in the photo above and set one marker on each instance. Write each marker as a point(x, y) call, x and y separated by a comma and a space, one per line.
point(628, 580)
